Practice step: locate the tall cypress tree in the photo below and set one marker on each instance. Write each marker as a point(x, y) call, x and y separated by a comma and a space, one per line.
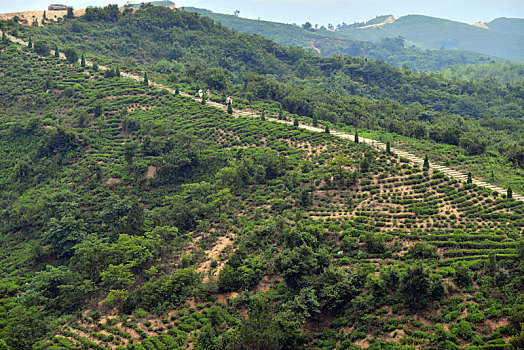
point(4, 37)
point(315, 120)
point(146, 80)
point(177, 91)
point(296, 123)
point(425, 166)
point(57, 53)
point(82, 61)
point(470, 178)
point(326, 130)
point(30, 43)
point(388, 147)
point(509, 194)
point(117, 72)
point(356, 137)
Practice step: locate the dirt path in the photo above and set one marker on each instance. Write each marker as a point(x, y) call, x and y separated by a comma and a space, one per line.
point(388, 20)
point(252, 113)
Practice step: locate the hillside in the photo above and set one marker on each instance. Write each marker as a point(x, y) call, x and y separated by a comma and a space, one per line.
point(175, 225)
point(501, 72)
point(507, 25)
point(135, 217)
point(435, 33)
point(329, 42)
point(476, 126)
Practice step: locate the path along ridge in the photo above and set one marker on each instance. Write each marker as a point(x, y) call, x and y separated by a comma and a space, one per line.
point(253, 113)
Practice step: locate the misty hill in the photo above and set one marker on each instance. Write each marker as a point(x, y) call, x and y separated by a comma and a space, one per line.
point(507, 25)
point(435, 33)
point(328, 42)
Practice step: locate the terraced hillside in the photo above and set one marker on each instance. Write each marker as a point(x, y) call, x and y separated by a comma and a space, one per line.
point(474, 126)
point(136, 218)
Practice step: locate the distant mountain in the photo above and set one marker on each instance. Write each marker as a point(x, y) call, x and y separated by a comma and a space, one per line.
point(328, 42)
point(507, 25)
point(504, 38)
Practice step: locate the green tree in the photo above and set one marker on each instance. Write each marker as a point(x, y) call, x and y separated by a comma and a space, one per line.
point(315, 119)
point(229, 108)
point(305, 305)
point(42, 48)
point(177, 91)
point(517, 342)
point(203, 102)
point(356, 137)
point(423, 250)
point(326, 130)
point(509, 193)
point(4, 37)
point(463, 275)
point(92, 256)
point(295, 122)
point(470, 178)
point(263, 331)
point(70, 14)
point(117, 72)
point(30, 43)
point(425, 166)
point(71, 55)
point(375, 243)
point(297, 264)
point(263, 116)
point(117, 276)
point(25, 326)
point(388, 147)
point(146, 80)
point(65, 233)
point(207, 339)
point(57, 52)
point(82, 61)
point(57, 289)
point(415, 286)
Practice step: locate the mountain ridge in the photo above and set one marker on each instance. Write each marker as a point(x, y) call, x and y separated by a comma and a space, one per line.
point(435, 33)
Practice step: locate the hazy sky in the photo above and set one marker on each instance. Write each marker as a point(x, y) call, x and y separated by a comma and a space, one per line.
point(322, 11)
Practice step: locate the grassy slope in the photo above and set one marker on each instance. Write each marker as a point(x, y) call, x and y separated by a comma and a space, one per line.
point(434, 33)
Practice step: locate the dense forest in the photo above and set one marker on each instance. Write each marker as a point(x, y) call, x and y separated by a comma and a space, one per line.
point(327, 41)
point(503, 72)
point(135, 218)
